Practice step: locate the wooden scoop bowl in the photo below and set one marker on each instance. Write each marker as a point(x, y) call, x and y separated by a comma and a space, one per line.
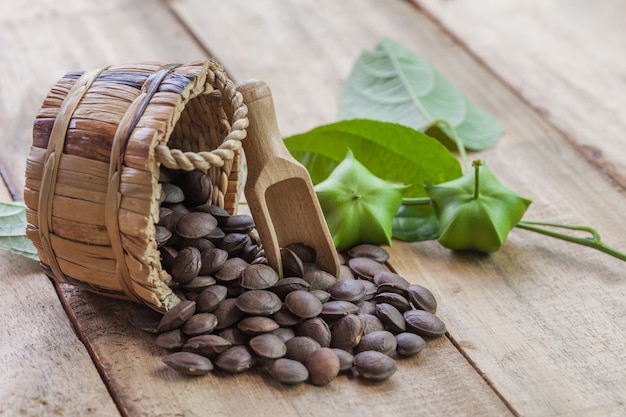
point(279, 189)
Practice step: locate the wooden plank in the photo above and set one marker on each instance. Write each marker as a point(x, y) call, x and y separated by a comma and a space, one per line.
point(45, 367)
point(566, 59)
point(150, 388)
point(541, 319)
point(40, 353)
point(298, 40)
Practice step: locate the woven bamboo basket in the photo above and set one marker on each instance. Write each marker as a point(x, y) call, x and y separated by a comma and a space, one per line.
point(92, 190)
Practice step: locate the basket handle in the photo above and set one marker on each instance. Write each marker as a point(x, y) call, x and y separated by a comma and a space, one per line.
point(113, 197)
point(189, 161)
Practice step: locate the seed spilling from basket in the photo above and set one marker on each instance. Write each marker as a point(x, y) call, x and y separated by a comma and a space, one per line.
point(309, 326)
point(197, 239)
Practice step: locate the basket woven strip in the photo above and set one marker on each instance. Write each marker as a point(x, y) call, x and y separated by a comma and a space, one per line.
point(92, 187)
point(52, 159)
point(113, 201)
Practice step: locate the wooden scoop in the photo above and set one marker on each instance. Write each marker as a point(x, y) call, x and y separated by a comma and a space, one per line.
point(279, 189)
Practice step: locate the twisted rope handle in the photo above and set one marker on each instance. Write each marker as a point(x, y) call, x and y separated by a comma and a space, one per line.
point(189, 161)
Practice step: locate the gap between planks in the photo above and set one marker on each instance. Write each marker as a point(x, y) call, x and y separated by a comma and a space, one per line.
point(82, 336)
point(474, 366)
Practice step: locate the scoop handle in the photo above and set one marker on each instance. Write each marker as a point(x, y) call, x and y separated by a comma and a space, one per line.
point(266, 142)
point(278, 188)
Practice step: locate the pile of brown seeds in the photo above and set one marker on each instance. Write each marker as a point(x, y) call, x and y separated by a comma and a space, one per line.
point(308, 326)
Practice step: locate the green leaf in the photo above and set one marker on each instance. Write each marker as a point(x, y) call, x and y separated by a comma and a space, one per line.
point(415, 224)
point(390, 151)
point(392, 83)
point(13, 230)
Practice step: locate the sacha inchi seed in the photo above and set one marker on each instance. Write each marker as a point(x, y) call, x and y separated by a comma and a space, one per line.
point(309, 326)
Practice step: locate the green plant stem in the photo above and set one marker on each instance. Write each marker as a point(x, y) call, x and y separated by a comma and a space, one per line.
point(457, 141)
point(416, 201)
point(477, 164)
point(593, 242)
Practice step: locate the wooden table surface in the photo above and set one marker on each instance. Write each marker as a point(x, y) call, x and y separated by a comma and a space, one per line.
point(536, 329)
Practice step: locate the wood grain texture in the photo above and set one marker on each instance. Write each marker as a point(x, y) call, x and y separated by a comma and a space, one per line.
point(542, 319)
point(147, 387)
point(46, 369)
point(565, 58)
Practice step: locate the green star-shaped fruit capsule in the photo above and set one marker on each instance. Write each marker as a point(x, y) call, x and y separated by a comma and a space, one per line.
point(476, 211)
point(358, 206)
